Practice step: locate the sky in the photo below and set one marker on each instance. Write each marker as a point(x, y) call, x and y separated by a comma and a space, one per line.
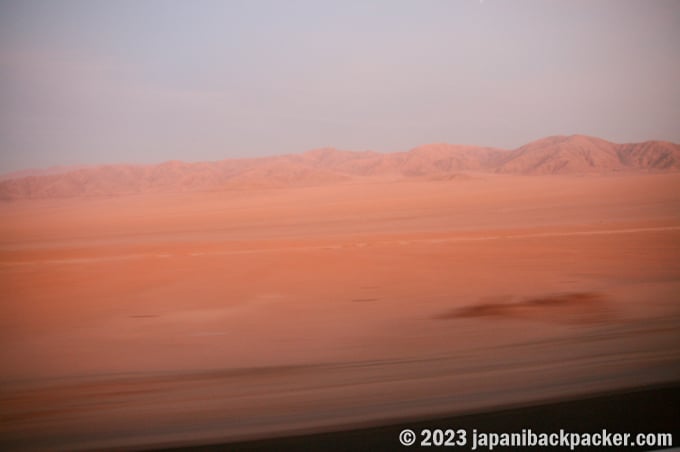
point(144, 81)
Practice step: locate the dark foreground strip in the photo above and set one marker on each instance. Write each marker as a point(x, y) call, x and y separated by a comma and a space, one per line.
point(643, 410)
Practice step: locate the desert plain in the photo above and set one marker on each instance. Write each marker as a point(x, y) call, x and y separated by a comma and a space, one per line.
point(174, 318)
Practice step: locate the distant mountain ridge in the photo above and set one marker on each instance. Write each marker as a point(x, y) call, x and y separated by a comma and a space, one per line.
point(574, 154)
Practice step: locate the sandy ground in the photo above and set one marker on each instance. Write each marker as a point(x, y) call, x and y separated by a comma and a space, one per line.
point(167, 319)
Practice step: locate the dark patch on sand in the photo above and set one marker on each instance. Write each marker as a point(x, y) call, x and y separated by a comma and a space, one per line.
point(574, 307)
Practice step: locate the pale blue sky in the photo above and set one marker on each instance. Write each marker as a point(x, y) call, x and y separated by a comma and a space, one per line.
point(100, 81)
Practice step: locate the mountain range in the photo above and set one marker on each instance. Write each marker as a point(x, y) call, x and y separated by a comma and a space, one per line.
point(574, 154)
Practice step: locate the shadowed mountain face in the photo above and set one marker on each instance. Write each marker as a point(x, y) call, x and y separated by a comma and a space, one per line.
point(574, 154)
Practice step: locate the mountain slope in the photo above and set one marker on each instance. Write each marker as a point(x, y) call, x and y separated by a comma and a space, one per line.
point(563, 154)
point(658, 155)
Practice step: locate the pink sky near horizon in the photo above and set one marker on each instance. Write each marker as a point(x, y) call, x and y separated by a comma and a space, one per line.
point(143, 82)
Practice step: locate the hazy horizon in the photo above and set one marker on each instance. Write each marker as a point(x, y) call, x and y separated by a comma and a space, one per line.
point(86, 83)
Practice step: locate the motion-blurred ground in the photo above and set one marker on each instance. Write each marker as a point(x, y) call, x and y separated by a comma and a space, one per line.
point(226, 315)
